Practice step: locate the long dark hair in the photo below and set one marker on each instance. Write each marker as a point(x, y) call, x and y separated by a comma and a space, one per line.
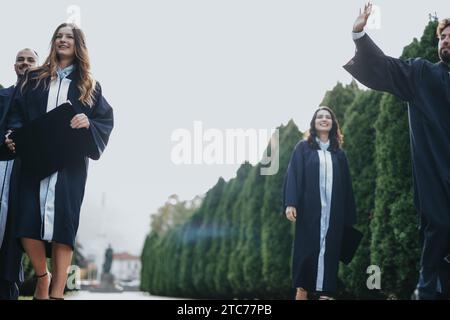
point(336, 137)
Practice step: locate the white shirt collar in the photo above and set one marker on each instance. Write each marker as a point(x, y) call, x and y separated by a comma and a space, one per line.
point(323, 145)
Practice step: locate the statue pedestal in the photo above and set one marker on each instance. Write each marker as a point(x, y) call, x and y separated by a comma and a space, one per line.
point(107, 284)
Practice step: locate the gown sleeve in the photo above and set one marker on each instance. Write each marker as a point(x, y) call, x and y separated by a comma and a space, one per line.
point(374, 69)
point(3, 100)
point(101, 123)
point(292, 186)
point(350, 206)
point(15, 118)
point(11, 119)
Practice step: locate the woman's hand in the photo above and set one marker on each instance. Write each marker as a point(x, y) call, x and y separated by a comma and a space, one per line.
point(79, 121)
point(361, 21)
point(291, 213)
point(9, 143)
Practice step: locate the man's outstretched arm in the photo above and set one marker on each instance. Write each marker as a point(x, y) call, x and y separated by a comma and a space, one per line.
point(374, 69)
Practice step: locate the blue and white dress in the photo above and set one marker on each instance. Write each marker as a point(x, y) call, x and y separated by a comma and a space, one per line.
point(318, 185)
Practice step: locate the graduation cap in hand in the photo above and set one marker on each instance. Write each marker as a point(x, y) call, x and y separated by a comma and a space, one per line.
point(48, 143)
point(350, 243)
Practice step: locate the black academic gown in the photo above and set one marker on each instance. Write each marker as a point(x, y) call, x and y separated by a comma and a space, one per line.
point(426, 88)
point(11, 271)
point(302, 191)
point(69, 188)
point(5, 98)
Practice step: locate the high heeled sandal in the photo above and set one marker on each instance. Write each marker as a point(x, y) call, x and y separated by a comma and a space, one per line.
point(39, 277)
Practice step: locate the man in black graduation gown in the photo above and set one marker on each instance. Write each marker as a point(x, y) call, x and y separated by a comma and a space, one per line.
point(426, 88)
point(11, 273)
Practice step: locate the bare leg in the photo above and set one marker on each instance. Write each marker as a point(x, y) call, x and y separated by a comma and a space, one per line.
point(35, 250)
point(61, 259)
point(302, 294)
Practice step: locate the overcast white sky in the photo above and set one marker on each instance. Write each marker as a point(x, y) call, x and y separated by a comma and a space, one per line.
point(165, 64)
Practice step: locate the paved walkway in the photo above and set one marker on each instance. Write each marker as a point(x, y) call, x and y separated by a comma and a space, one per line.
point(86, 295)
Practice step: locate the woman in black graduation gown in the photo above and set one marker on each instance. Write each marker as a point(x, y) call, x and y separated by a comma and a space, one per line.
point(318, 197)
point(48, 209)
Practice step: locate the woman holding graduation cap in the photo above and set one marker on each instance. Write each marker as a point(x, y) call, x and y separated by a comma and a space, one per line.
point(48, 209)
point(318, 197)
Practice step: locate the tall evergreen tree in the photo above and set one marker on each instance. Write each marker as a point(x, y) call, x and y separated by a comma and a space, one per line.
point(251, 258)
point(393, 182)
point(359, 145)
point(188, 239)
point(235, 268)
point(203, 239)
point(228, 207)
point(211, 256)
point(340, 98)
point(277, 232)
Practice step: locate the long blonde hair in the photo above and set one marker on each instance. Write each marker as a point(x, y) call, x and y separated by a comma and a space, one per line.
point(87, 83)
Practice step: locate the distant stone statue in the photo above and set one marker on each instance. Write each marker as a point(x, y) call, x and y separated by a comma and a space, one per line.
point(107, 281)
point(108, 260)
